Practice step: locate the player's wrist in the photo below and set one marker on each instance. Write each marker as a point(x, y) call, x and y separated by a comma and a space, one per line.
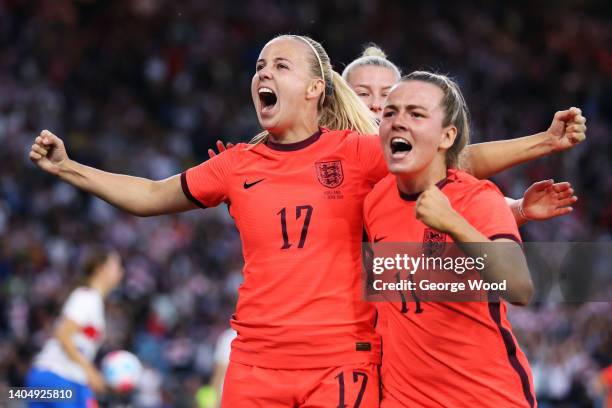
point(453, 223)
point(458, 227)
point(520, 209)
point(548, 142)
point(65, 168)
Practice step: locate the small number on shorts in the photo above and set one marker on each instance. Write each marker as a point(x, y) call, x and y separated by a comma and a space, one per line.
point(341, 398)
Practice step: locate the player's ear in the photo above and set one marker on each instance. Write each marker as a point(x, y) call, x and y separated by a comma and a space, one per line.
point(449, 134)
point(315, 88)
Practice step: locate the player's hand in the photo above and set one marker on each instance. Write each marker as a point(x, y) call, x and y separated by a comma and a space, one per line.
point(220, 147)
point(546, 199)
point(95, 380)
point(434, 210)
point(48, 152)
point(568, 129)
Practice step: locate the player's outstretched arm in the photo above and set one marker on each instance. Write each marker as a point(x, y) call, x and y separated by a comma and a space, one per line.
point(136, 195)
point(568, 129)
point(542, 201)
point(504, 262)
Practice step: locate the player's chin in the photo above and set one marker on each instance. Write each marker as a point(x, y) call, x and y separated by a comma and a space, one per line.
point(269, 124)
point(264, 121)
point(397, 168)
point(401, 166)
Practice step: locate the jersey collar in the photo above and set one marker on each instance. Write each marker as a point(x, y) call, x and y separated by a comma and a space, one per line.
point(414, 196)
point(288, 147)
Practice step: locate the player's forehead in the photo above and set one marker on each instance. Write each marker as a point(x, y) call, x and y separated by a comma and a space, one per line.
point(289, 48)
point(372, 76)
point(415, 93)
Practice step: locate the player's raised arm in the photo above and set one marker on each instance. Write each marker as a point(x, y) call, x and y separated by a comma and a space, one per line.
point(568, 129)
point(136, 195)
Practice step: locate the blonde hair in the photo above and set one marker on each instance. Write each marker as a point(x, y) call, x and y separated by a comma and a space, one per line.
point(455, 108)
point(372, 55)
point(339, 107)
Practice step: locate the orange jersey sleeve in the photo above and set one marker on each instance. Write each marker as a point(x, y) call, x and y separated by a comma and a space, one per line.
point(371, 159)
point(487, 211)
point(206, 185)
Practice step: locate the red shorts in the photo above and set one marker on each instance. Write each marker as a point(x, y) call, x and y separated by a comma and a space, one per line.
point(350, 386)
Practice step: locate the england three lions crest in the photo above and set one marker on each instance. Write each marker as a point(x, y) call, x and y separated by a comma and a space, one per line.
point(434, 242)
point(330, 173)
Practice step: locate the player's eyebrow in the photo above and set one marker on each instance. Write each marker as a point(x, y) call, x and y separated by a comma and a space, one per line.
point(391, 107)
point(277, 59)
point(411, 107)
point(407, 107)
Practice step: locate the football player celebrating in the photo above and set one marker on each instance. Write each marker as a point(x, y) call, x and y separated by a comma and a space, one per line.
point(305, 336)
point(445, 354)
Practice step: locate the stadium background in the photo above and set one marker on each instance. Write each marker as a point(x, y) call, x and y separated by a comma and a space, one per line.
point(145, 87)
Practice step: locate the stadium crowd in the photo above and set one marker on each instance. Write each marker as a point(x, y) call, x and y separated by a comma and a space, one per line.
point(145, 87)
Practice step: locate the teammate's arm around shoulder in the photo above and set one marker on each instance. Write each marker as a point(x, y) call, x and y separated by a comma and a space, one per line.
point(136, 195)
point(505, 262)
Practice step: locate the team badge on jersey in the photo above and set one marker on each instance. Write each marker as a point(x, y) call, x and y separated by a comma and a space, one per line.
point(330, 173)
point(433, 242)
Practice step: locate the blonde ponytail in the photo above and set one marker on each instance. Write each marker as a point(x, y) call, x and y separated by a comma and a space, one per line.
point(345, 110)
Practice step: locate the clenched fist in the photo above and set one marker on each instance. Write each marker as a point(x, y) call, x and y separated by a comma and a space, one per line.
point(434, 210)
point(48, 152)
point(567, 129)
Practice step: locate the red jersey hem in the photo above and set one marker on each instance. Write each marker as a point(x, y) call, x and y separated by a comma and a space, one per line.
point(273, 362)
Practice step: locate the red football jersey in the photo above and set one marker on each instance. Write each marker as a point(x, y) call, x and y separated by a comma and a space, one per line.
point(298, 208)
point(447, 354)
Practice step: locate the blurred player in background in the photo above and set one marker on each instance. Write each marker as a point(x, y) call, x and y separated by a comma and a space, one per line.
point(66, 359)
point(443, 354)
point(305, 336)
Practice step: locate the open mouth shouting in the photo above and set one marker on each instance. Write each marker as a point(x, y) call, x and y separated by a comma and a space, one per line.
point(267, 100)
point(400, 147)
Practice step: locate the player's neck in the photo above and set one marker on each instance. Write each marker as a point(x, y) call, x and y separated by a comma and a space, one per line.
point(99, 286)
point(295, 134)
point(414, 183)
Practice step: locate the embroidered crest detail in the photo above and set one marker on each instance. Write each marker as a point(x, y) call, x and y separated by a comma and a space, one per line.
point(330, 173)
point(433, 242)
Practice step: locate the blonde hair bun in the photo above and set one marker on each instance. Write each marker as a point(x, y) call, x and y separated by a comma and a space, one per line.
point(373, 50)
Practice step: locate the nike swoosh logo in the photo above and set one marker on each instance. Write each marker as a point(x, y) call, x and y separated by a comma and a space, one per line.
point(249, 185)
point(377, 239)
